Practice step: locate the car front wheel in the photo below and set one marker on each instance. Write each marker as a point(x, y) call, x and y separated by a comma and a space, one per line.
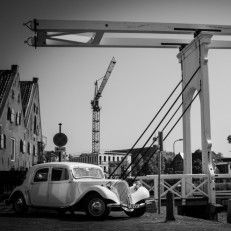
point(136, 212)
point(96, 207)
point(19, 205)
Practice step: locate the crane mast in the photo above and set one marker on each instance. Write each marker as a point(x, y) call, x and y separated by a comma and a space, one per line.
point(96, 108)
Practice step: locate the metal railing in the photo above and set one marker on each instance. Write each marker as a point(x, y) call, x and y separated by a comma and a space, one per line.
point(186, 186)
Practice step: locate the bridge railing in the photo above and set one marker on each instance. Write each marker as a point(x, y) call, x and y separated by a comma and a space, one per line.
point(223, 185)
point(183, 186)
point(186, 186)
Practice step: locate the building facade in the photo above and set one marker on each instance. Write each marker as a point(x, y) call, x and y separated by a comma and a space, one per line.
point(21, 144)
point(107, 160)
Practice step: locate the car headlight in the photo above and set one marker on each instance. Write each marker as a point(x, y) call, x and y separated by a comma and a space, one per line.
point(137, 184)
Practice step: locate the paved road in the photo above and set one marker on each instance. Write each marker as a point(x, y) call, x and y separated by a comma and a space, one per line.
point(38, 220)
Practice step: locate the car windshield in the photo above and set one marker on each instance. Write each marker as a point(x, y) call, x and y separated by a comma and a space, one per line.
point(90, 172)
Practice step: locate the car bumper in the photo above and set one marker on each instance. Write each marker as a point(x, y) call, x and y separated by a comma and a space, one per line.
point(131, 206)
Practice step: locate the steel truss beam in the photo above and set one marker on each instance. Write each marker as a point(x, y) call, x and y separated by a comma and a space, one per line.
point(69, 33)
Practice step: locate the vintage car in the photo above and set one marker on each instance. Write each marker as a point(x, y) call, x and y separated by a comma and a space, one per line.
point(77, 186)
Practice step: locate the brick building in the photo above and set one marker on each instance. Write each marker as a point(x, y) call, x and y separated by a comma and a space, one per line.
point(21, 143)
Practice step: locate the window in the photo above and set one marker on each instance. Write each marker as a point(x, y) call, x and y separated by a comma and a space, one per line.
point(35, 125)
point(28, 148)
point(109, 159)
point(118, 159)
point(104, 159)
point(100, 159)
point(82, 172)
point(113, 158)
point(12, 94)
point(41, 175)
point(59, 174)
point(9, 113)
point(12, 151)
point(34, 151)
point(21, 146)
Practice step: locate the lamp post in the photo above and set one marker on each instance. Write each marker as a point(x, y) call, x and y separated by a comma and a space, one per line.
point(174, 144)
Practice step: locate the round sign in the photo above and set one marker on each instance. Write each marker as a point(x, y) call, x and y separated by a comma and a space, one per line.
point(60, 139)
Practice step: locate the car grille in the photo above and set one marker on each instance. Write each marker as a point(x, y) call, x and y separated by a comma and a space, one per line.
point(123, 192)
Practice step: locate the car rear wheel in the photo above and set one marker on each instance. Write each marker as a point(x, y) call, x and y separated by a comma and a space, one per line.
point(96, 207)
point(136, 212)
point(19, 205)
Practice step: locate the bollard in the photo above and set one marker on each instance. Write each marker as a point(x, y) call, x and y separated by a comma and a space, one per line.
point(170, 207)
point(229, 211)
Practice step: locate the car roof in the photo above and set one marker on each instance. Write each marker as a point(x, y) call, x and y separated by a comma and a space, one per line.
point(67, 164)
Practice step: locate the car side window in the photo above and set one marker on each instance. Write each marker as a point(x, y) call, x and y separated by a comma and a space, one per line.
point(59, 174)
point(41, 175)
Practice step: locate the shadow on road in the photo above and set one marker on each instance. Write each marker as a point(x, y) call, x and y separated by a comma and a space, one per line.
point(81, 217)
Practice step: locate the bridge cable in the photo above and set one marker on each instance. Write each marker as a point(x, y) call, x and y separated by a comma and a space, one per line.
point(162, 119)
point(163, 140)
point(146, 128)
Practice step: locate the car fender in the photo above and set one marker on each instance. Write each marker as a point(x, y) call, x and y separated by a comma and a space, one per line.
point(19, 190)
point(140, 194)
point(102, 191)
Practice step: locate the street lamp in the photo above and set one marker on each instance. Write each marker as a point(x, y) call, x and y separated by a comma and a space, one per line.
point(174, 144)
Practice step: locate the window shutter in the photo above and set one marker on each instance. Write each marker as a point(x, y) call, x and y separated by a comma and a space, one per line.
point(1, 141)
point(16, 118)
point(12, 116)
point(24, 146)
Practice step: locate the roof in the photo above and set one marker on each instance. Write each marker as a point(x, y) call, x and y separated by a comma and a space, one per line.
point(69, 164)
point(26, 89)
point(6, 81)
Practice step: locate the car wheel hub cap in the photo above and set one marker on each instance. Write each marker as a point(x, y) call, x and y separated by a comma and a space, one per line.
point(19, 204)
point(96, 208)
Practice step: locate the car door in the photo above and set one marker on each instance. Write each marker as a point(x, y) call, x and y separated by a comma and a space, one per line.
point(39, 187)
point(60, 187)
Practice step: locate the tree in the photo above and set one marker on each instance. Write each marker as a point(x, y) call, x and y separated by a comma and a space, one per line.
point(197, 162)
point(229, 139)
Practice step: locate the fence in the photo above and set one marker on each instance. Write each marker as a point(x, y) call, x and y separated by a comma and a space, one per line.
point(187, 186)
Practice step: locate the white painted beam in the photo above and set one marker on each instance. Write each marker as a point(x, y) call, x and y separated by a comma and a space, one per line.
point(128, 27)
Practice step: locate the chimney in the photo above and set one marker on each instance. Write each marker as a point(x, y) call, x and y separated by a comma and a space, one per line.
point(14, 68)
point(35, 80)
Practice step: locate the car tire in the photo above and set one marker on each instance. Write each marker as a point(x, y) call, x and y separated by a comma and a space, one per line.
point(19, 205)
point(96, 207)
point(136, 212)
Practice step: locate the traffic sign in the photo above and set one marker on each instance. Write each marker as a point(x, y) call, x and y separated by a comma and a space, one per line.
point(60, 139)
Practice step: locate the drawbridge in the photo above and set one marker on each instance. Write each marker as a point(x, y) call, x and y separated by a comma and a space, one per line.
point(188, 188)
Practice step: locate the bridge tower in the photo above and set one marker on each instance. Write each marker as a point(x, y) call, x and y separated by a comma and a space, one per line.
point(193, 59)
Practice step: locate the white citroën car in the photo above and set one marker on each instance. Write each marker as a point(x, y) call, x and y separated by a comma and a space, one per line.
point(76, 186)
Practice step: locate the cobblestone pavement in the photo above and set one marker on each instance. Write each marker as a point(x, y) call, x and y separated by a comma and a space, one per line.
point(38, 220)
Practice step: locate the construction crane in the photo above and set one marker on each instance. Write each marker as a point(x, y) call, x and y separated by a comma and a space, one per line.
point(96, 108)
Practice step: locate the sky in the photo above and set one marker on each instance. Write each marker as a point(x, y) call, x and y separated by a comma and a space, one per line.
point(140, 82)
